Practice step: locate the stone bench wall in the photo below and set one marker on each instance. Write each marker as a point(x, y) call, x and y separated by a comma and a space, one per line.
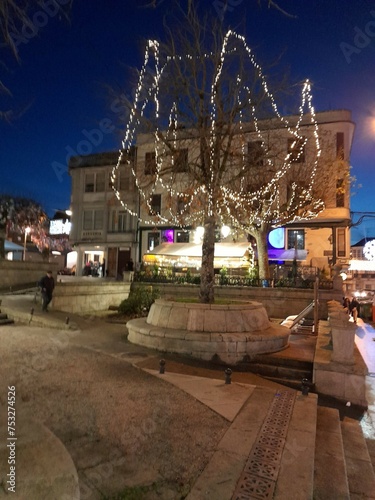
point(88, 296)
point(209, 317)
point(226, 348)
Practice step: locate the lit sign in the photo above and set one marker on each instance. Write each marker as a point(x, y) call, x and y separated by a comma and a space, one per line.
point(369, 250)
point(59, 226)
point(277, 238)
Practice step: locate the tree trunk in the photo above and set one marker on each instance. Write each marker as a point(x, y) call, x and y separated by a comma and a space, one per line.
point(206, 294)
point(264, 267)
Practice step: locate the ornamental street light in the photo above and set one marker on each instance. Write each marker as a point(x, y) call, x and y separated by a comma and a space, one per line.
point(27, 231)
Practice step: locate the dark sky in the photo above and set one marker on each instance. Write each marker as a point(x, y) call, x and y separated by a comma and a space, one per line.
point(59, 89)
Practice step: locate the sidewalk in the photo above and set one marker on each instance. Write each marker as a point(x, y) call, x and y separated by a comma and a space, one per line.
point(24, 309)
point(205, 384)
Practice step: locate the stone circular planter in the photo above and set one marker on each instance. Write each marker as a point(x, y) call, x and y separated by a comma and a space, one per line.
point(231, 333)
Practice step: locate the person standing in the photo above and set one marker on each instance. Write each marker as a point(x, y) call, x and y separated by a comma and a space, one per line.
point(47, 284)
point(354, 309)
point(131, 269)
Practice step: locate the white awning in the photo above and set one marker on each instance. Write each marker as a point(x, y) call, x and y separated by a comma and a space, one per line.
point(190, 254)
point(290, 254)
point(195, 249)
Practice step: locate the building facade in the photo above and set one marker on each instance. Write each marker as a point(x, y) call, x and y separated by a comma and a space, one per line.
point(103, 228)
point(102, 232)
point(360, 275)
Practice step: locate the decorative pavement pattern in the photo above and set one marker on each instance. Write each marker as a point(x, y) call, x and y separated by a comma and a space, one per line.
point(258, 479)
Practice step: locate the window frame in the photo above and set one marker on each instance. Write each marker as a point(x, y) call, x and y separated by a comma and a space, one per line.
point(297, 154)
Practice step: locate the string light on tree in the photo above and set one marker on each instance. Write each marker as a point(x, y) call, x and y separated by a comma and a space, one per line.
point(369, 250)
point(211, 187)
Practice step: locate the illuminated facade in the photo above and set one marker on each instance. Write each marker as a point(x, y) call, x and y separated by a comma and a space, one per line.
point(319, 242)
point(103, 228)
point(360, 276)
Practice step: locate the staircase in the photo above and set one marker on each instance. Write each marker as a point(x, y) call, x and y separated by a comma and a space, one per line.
point(289, 372)
point(282, 445)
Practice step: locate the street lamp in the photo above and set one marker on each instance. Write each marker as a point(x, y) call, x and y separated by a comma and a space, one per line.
point(27, 231)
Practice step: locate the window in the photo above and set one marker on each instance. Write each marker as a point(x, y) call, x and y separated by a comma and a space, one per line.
point(340, 145)
point(340, 193)
point(183, 205)
point(255, 153)
point(167, 236)
point(155, 204)
point(296, 150)
point(295, 191)
point(180, 163)
point(93, 219)
point(121, 221)
point(341, 242)
point(150, 163)
point(126, 180)
point(95, 182)
point(153, 240)
point(296, 239)
point(182, 237)
point(89, 183)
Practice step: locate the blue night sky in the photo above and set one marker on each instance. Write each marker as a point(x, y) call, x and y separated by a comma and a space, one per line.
point(59, 89)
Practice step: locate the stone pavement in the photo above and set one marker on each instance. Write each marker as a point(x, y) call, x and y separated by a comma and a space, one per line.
point(204, 384)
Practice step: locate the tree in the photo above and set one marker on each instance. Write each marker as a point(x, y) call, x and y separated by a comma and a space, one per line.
point(280, 187)
point(6, 210)
point(199, 97)
point(17, 214)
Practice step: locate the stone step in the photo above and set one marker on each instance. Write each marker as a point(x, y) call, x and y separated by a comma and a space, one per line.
point(281, 372)
point(360, 473)
point(330, 476)
point(220, 476)
point(277, 360)
point(268, 450)
point(292, 383)
point(296, 476)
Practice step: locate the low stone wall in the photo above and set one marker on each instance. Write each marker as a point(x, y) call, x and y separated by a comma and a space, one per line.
point(220, 318)
point(229, 334)
point(89, 295)
point(278, 302)
point(339, 369)
point(14, 274)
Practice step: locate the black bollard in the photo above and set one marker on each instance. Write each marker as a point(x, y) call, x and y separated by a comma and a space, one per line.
point(228, 375)
point(162, 366)
point(305, 387)
point(67, 320)
point(31, 314)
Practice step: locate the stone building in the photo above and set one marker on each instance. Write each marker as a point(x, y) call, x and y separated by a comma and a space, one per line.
point(103, 228)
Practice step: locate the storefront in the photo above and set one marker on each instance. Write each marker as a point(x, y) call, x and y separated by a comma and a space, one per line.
point(189, 255)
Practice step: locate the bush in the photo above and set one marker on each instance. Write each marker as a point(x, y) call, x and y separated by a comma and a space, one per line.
point(139, 301)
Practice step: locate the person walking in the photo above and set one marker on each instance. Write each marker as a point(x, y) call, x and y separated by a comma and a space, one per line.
point(47, 284)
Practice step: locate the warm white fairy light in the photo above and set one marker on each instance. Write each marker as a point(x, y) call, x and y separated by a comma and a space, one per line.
point(229, 197)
